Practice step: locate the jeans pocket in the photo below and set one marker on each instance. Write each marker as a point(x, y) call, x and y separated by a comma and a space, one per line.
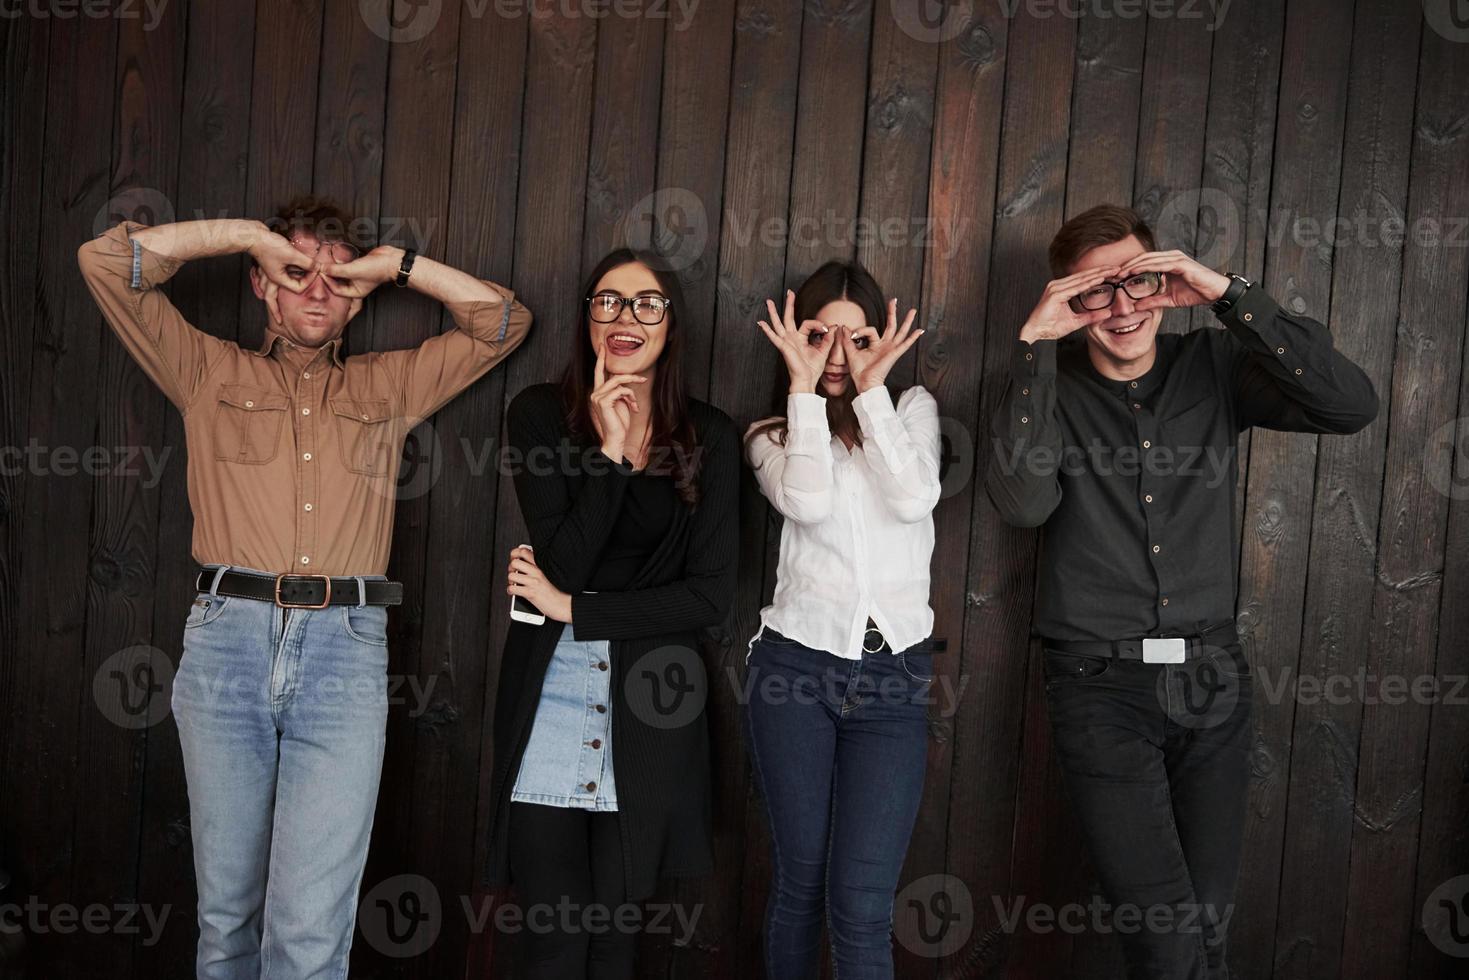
point(917, 664)
point(1231, 662)
point(205, 610)
point(368, 624)
point(1071, 668)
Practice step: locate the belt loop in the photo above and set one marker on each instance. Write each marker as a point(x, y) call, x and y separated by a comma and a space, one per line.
point(361, 591)
point(218, 574)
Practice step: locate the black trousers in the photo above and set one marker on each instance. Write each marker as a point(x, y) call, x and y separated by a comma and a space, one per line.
point(569, 882)
point(1156, 760)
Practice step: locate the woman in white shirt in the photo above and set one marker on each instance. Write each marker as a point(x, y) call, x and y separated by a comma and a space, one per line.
point(839, 670)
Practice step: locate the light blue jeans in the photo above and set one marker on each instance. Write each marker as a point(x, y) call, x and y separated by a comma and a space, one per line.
point(282, 717)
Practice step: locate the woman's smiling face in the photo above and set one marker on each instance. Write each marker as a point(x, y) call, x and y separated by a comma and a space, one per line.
point(629, 345)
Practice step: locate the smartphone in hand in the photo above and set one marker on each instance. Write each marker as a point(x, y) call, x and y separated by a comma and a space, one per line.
point(524, 611)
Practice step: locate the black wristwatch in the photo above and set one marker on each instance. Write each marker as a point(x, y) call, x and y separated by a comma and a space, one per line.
point(1232, 293)
point(405, 268)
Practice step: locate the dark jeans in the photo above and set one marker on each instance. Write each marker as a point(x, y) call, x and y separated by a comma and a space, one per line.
point(839, 749)
point(569, 883)
point(1156, 760)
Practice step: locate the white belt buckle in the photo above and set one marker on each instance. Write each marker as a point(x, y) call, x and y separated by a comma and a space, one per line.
point(1167, 650)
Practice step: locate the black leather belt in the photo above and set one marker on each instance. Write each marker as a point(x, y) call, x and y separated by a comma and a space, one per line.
point(934, 646)
point(1195, 646)
point(300, 591)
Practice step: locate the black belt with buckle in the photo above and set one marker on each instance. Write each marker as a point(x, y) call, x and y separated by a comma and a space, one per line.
point(934, 646)
point(1195, 646)
point(300, 591)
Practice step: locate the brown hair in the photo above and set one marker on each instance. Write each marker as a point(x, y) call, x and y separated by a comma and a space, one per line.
point(1101, 225)
point(833, 281)
point(320, 217)
point(671, 425)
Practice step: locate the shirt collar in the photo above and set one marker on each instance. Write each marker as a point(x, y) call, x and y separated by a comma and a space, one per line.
point(1140, 386)
point(271, 336)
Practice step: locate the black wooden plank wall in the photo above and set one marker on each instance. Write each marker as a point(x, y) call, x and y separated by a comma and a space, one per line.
point(1319, 144)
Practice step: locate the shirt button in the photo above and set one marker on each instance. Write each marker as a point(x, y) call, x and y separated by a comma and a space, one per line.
point(1165, 600)
point(306, 375)
point(1280, 350)
point(305, 559)
point(1136, 407)
point(364, 418)
point(1298, 370)
point(1133, 384)
point(602, 665)
point(596, 743)
point(308, 507)
point(591, 787)
point(601, 709)
point(249, 404)
point(1027, 357)
point(306, 456)
point(1156, 549)
point(305, 411)
point(1024, 419)
point(1025, 391)
point(1248, 317)
point(1148, 498)
point(1147, 444)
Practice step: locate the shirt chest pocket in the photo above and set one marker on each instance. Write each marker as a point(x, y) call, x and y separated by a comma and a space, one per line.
point(247, 424)
point(364, 435)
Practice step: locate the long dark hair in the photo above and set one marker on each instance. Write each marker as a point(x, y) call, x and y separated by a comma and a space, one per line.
point(672, 430)
point(833, 281)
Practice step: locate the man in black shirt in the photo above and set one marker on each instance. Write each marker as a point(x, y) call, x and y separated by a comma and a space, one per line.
point(1122, 443)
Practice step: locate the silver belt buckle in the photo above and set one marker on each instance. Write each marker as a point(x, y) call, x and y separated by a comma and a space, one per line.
point(1166, 650)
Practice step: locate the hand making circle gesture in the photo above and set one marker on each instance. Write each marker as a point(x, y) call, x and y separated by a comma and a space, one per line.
point(871, 363)
point(804, 348)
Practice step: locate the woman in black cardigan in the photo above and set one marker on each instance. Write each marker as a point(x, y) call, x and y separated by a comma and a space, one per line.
point(629, 490)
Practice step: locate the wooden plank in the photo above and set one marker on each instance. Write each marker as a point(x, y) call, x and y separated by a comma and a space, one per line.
point(831, 118)
point(413, 210)
point(1050, 864)
point(1171, 134)
point(121, 590)
point(351, 111)
point(1310, 916)
point(23, 118)
point(559, 72)
point(212, 152)
point(459, 628)
point(1000, 581)
point(759, 145)
point(282, 122)
point(1383, 914)
point(1105, 102)
point(894, 236)
point(1277, 522)
point(53, 683)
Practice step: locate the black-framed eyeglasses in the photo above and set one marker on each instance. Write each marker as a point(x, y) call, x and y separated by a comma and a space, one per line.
point(647, 309)
point(1100, 296)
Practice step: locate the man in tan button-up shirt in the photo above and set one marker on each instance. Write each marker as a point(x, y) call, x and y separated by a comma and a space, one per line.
point(280, 696)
